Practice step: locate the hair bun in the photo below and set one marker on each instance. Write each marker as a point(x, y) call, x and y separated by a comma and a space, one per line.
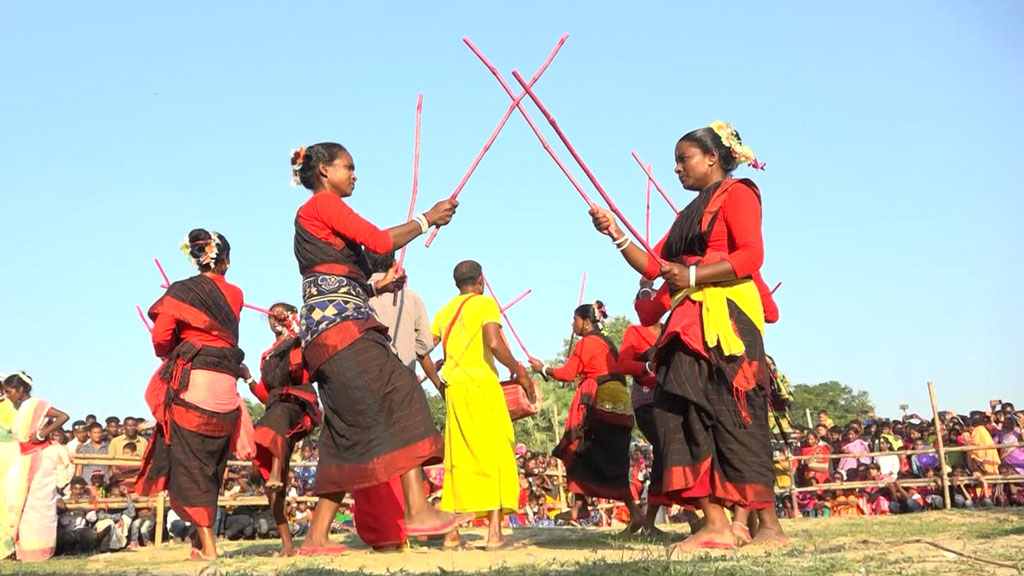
point(602, 312)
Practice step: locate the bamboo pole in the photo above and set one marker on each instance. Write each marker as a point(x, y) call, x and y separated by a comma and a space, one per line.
point(161, 511)
point(944, 475)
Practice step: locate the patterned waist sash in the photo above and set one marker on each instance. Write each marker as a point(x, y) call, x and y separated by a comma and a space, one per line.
point(329, 300)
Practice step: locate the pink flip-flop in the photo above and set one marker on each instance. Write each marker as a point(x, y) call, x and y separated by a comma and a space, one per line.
point(443, 528)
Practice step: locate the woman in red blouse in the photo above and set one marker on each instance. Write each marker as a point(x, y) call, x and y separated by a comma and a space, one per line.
point(200, 417)
point(376, 423)
point(598, 429)
point(711, 407)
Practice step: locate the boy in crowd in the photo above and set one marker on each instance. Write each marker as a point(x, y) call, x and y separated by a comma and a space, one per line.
point(96, 446)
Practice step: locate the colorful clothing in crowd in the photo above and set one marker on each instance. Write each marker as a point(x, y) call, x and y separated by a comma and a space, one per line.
point(598, 429)
point(376, 422)
point(986, 460)
point(713, 382)
point(200, 417)
point(28, 515)
point(480, 462)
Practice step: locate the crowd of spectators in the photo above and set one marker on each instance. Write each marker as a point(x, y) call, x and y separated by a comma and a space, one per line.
point(857, 483)
point(99, 512)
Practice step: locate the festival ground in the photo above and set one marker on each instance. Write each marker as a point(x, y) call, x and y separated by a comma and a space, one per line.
point(827, 547)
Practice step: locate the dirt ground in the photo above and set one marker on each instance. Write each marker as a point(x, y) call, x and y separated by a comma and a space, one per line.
point(832, 546)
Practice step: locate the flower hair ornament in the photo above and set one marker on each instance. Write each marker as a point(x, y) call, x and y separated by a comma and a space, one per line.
point(287, 323)
point(211, 247)
point(732, 141)
point(298, 156)
point(600, 313)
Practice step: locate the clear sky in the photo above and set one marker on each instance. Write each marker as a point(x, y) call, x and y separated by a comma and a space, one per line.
point(890, 132)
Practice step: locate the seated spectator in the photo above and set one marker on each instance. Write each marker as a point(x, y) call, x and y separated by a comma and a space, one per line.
point(814, 470)
point(130, 436)
point(125, 473)
point(95, 447)
point(306, 474)
point(1008, 493)
point(113, 522)
point(855, 446)
point(177, 528)
point(849, 503)
point(298, 522)
point(889, 464)
point(904, 500)
point(75, 535)
point(142, 530)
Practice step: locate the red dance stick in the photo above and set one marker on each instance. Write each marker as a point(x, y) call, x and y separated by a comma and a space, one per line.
point(516, 300)
point(529, 120)
point(583, 285)
point(507, 321)
point(415, 181)
point(647, 213)
point(586, 170)
point(167, 283)
point(143, 317)
point(776, 287)
point(501, 123)
point(650, 178)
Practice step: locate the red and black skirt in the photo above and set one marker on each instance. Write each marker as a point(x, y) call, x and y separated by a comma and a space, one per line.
point(291, 415)
point(376, 422)
point(713, 438)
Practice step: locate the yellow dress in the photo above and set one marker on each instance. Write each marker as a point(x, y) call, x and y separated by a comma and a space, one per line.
point(480, 472)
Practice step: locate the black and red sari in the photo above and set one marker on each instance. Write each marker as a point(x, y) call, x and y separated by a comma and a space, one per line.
point(598, 428)
point(710, 408)
point(195, 329)
point(292, 410)
point(376, 422)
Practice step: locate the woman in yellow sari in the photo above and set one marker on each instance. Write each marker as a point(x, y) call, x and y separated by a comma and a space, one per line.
point(28, 516)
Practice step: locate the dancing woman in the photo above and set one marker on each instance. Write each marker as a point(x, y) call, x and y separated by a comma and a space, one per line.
point(711, 402)
point(292, 410)
point(200, 417)
point(376, 421)
point(598, 430)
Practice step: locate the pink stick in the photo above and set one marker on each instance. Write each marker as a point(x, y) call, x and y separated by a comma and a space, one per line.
point(507, 321)
point(167, 283)
point(256, 308)
point(583, 165)
point(144, 320)
point(501, 124)
point(415, 181)
point(516, 300)
point(776, 287)
point(647, 213)
point(650, 178)
point(583, 285)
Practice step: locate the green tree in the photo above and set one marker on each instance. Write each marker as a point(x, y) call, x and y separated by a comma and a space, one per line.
point(256, 409)
point(841, 402)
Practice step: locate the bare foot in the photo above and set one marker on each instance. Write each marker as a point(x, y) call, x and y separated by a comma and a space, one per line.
point(287, 552)
point(741, 533)
point(706, 538)
point(432, 522)
point(770, 538)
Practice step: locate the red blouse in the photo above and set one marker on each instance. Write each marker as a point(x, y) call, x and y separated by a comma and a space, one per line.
point(165, 325)
point(330, 219)
point(635, 342)
point(591, 357)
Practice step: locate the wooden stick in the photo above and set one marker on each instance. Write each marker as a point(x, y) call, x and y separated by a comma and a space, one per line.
point(415, 183)
point(647, 211)
point(143, 317)
point(650, 178)
point(167, 282)
point(161, 505)
point(776, 287)
point(501, 123)
point(526, 116)
point(942, 448)
point(507, 321)
point(586, 170)
point(583, 286)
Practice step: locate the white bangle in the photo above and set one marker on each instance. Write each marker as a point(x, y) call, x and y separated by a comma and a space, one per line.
point(422, 221)
point(624, 245)
point(693, 276)
point(648, 367)
point(621, 240)
point(40, 438)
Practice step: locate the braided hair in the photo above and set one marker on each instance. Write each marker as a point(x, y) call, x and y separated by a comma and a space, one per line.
point(596, 313)
point(306, 162)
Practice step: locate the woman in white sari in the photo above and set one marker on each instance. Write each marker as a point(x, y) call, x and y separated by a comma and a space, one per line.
point(28, 515)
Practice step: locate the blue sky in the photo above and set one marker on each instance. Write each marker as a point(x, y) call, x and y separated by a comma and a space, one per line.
point(889, 130)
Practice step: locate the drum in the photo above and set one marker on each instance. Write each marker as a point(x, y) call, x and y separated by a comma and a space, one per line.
point(519, 405)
